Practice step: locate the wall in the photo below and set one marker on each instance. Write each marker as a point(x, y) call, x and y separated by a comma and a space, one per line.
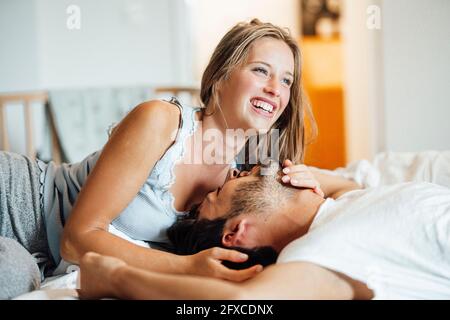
point(362, 70)
point(120, 43)
point(211, 19)
point(18, 62)
point(416, 50)
point(397, 77)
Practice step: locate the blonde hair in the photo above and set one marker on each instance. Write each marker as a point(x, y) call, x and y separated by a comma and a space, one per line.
point(232, 51)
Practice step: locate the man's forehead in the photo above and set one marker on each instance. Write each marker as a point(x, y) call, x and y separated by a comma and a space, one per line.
point(270, 168)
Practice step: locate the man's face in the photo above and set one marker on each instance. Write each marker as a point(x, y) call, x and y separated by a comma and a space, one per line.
point(248, 193)
point(248, 201)
point(218, 202)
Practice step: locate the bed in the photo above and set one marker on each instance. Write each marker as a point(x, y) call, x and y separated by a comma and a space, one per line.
point(385, 169)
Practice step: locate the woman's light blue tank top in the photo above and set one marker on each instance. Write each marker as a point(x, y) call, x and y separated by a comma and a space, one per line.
point(146, 217)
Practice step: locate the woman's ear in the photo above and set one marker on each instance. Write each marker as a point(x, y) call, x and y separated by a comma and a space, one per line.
point(235, 233)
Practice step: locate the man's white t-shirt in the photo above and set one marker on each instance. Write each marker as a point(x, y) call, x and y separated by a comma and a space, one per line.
point(396, 239)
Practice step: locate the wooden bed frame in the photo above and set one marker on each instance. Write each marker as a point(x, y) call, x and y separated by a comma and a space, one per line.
point(26, 99)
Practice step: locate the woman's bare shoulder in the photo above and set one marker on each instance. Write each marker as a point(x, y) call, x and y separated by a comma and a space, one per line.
point(161, 111)
point(160, 117)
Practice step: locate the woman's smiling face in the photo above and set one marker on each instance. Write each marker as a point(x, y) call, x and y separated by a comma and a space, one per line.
point(258, 91)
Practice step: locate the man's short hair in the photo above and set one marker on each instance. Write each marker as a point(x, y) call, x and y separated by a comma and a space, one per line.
point(190, 235)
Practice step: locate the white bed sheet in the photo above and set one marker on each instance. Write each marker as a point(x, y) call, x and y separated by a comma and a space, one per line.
point(386, 168)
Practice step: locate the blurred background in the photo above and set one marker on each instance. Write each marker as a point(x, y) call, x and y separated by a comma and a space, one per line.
point(377, 72)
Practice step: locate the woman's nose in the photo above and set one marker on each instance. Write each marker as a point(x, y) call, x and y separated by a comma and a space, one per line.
point(272, 87)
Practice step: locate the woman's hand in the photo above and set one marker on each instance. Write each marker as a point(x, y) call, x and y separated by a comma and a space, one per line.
point(300, 176)
point(209, 263)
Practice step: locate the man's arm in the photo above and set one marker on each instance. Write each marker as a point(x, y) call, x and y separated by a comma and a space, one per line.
point(297, 281)
point(104, 276)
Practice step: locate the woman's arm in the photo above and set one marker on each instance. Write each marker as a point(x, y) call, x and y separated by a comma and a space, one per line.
point(127, 159)
point(102, 276)
point(122, 168)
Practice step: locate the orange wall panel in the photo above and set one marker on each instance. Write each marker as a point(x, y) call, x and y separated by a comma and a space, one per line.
point(322, 76)
point(328, 149)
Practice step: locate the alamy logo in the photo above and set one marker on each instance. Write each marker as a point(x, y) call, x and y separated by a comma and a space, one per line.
point(73, 21)
point(219, 148)
point(374, 17)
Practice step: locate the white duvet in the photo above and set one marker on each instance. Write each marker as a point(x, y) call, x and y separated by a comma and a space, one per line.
point(386, 169)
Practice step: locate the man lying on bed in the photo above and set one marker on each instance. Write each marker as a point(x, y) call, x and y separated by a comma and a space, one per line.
point(388, 242)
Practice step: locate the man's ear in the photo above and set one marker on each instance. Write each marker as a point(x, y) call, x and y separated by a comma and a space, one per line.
point(235, 233)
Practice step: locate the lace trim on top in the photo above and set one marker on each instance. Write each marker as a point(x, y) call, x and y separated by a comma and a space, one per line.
point(163, 173)
point(162, 176)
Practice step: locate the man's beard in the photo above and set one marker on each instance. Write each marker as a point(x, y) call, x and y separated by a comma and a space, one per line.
point(265, 195)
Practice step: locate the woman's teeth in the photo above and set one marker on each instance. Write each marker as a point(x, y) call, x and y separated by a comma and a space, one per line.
point(263, 105)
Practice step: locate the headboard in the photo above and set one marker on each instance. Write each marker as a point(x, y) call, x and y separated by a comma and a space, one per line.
point(25, 99)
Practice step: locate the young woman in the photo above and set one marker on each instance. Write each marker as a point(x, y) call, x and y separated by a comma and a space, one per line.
point(143, 178)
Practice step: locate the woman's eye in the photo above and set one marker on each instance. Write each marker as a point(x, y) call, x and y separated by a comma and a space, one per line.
point(262, 70)
point(287, 81)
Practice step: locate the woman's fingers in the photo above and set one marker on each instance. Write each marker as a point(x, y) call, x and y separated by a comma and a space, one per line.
point(221, 254)
point(240, 275)
point(299, 175)
point(319, 191)
point(229, 255)
point(304, 183)
point(287, 163)
point(296, 168)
